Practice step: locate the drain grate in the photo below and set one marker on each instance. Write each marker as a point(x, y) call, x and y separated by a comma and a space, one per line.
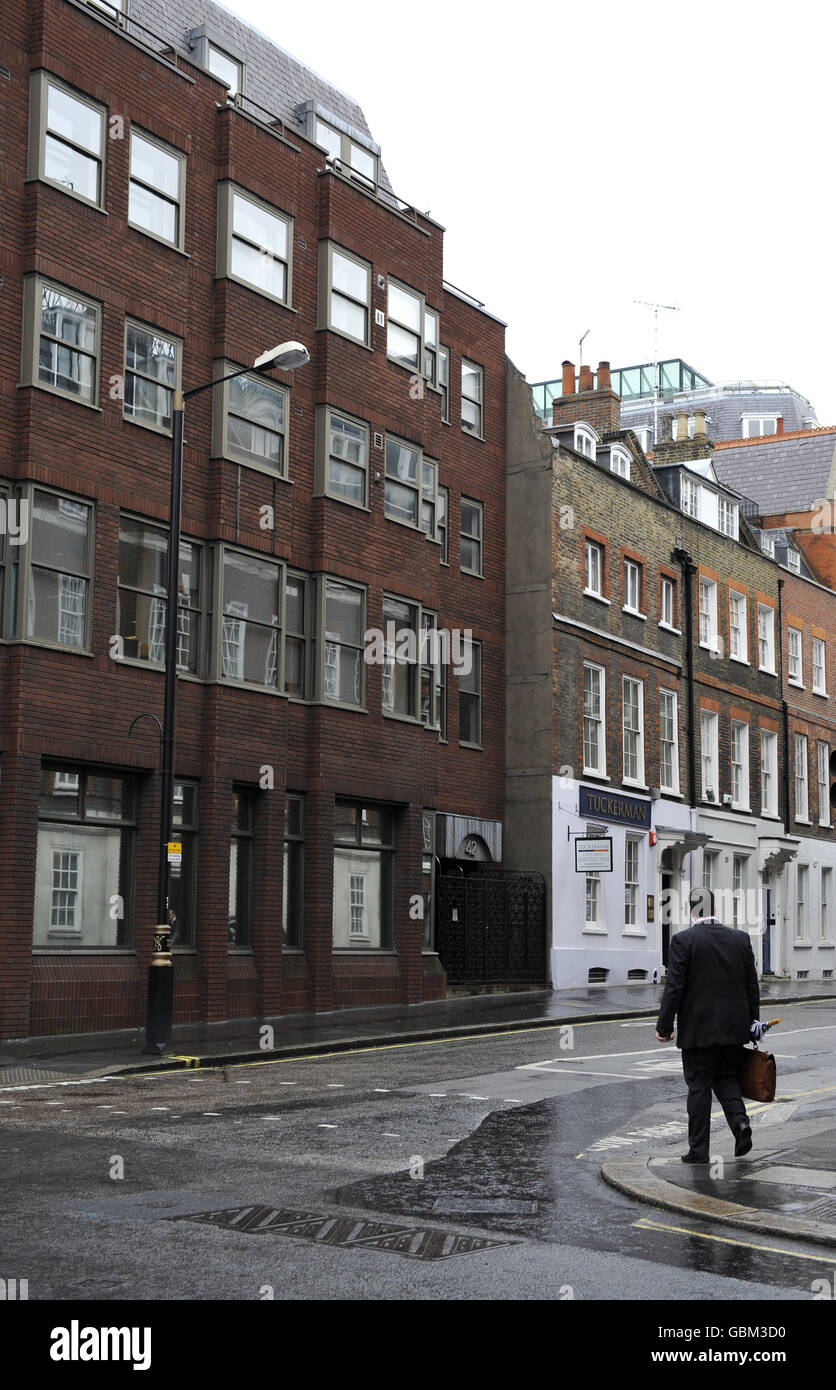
point(416, 1243)
point(822, 1211)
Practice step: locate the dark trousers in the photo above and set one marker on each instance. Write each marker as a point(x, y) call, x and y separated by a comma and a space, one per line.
point(710, 1069)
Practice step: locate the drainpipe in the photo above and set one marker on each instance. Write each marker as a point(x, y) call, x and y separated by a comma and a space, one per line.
point(785, 713)
point(689, 569)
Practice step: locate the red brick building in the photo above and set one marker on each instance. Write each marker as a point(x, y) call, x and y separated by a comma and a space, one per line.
point(171, 210)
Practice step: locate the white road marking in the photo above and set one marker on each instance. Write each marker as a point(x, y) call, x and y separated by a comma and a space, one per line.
point(438, 1095)
point(243, 1083)
point(570, 1071)
point(335, 1086)
point(511, 1100)
point(160, 1107)
point(383, 1090)
point(387, 1135)
point(288, 1083)
point(212, 1114)
point(326, 1126)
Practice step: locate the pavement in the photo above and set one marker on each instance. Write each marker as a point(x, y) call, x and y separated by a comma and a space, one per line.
point(785, 1187)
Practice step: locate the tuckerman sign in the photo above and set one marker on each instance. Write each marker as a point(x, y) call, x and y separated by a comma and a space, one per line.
point(614, 806)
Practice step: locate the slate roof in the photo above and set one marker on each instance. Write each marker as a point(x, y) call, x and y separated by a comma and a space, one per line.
point(780, 473)
point(724, 409)
point(274, 78)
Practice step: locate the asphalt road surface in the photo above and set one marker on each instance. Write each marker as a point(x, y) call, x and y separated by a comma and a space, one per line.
point(464, 1169)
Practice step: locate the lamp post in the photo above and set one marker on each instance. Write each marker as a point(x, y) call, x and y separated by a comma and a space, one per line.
point(287, 356)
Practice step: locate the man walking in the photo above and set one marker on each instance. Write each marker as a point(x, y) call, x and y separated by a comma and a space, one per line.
point(712, 988)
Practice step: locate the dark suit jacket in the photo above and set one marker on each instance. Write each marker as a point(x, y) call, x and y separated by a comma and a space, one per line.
point(712, 986)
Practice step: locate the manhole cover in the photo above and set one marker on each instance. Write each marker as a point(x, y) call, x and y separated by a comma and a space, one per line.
point(822, 1211)
point(416, 1243)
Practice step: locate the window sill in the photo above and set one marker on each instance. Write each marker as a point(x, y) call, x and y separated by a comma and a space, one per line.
point(470, 573)
point(635, 786)
point(671, 794)
point(595, 931)
point(713, 647)
point(599, 598)
point(825, 825)
point(634, 613)
point(62, 395)
point(472, 434)
point(737, 806)
point(337, 704)
point(402, 718)
point(475, 747)
point(344, 501)
point(254, 289)
point(802, 820)
point(822, 693)
point(827, 945)
point(633, 931)
point(160, 240)
point(68, 193)
point(599, 776)
point(87, 950)
point(796, 685)
point(770, 815)
point(146, 425)
point(347, 337)
point(52, 646)
point(666, 627)
point(256, 467)
point(138, 664)
point(363, 948)
point(409, 525)
point(741, 660)
point(803, 945)
point(767, 671)
point(240, 950)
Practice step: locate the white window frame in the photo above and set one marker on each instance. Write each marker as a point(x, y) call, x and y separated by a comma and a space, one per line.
point(750, 426)
point(631, 732)
point(738, 631)
point(672, 783)
point(595, 702)
point(793, 560)
point(740, 765)
point(709, 755)
point(593, 548)
point(769, 773)
point(709, 634)
point(766, 637)
point(76, 893)
point(620, 462)
point(823, 770)
point(633, 587)
point(740, 864)
point(825, 896)
point(767, 545)
point(802, 898)
point(632, 885)
point(667, 603)
point(727, 517)
point(795, 657)
point(689, 496)
point(477, 430)
point(801, 779)
point(584, 442)
point(819, 667)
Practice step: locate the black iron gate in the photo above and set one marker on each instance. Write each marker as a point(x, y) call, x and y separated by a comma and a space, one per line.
point(492, 928)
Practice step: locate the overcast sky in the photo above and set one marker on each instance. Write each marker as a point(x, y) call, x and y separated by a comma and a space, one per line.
point(586, 155)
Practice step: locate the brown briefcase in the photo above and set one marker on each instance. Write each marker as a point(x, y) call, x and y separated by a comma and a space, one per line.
point(757, 1074)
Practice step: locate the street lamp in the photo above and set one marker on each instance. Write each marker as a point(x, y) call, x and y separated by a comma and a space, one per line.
point(287, 356)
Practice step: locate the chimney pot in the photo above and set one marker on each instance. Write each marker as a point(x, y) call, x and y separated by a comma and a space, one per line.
point(585, 383)
point(779, 425)
point(699, 424)
point(568, 378)
point(681, 425)
point(604, 379)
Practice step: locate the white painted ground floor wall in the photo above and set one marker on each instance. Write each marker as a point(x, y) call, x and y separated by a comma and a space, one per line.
point(617, 925)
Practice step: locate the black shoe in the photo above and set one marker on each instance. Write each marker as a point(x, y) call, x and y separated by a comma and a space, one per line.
point(743, 1140)
point(694, 1158)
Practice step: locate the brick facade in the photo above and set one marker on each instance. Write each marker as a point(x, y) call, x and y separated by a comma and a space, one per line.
point(76, 706)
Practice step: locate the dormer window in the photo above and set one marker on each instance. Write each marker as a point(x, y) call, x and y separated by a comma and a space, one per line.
point(228, 69)
point(767, 545)
point(585, 442)
point(689, 495)
point(753, 426)
point(727, 516)
point(644, 434)
point(793, 561)
point(357, 161)
point(619, 462)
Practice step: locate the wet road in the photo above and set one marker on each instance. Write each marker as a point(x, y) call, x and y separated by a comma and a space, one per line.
point(462, 1169)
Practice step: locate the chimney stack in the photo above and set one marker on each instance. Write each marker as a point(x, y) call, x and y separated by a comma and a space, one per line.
point(568, 378)
point(599, 405)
